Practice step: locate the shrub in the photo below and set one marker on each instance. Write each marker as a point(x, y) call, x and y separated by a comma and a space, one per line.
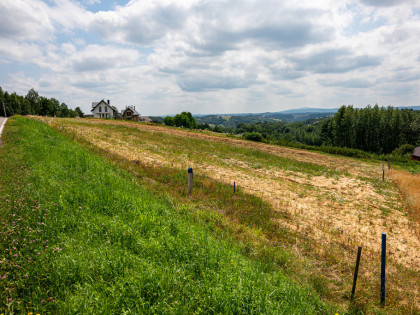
point(168, 121)
point(253, 136)
point(403, 150)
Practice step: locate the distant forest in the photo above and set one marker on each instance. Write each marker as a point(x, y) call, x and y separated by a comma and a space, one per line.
point(374, 129)
point(34, 104)
point(231, 121)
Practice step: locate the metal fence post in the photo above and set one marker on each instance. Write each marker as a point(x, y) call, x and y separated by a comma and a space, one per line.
point(190, 180)
point(383, 263)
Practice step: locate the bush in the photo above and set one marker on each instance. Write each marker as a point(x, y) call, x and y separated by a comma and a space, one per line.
point(253, 136)
point(168, 121)
point(403, 150)
point(185, 119)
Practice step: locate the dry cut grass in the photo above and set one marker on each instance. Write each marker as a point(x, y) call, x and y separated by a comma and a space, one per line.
point(409, 184)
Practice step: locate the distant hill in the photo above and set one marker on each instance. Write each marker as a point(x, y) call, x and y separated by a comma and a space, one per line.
point(410, 107)
point(306, 110)
point(290, 116)
point(287, 116)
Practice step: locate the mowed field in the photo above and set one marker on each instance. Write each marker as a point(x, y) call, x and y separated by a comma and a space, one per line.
point(321, 206)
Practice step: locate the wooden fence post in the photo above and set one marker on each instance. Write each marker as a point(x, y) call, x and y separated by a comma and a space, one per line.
point(356, 271)
point(383, 172)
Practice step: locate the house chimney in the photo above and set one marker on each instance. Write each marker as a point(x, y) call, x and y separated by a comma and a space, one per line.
point(108, 102)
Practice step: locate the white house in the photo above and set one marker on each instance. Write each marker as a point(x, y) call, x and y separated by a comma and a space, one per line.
point(102, 109)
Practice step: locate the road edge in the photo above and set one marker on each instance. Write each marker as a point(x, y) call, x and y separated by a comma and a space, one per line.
point(1, 129)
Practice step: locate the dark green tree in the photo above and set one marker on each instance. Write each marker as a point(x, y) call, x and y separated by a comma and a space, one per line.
point(168, 121)
point(79, 112)
point(33, 98)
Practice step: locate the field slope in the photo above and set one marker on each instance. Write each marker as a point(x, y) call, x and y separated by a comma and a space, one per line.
point(80, 235)
point(300, 211)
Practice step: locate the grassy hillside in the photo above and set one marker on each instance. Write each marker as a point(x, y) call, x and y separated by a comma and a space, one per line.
point(81, 235)
point(294, 213)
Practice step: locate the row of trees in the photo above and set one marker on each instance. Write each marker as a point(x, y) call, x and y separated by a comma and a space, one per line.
point(34, 104)
point(373, 129)
point(305, 133)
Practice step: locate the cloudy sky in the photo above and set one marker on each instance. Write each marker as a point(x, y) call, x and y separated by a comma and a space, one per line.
point(213, 56)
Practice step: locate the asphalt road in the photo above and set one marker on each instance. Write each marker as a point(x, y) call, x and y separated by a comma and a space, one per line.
point(2, 121)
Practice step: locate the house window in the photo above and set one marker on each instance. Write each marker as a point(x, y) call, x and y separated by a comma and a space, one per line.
point(128, 113)
point(100, 109)
point(106, 109)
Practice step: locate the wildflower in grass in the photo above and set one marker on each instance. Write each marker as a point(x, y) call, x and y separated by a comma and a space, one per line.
point(15, 255)
point(38, 253)
point(9, 300)
point(42, 301)
point(4, 277)
point(26, 276)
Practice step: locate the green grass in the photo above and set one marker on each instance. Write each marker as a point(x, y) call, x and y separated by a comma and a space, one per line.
point(80, 235)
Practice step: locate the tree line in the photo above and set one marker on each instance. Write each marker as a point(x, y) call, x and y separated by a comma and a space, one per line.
point(308, 132)
point(350, 131)
point(34, 104)
point(185, 119)
point(373, 129)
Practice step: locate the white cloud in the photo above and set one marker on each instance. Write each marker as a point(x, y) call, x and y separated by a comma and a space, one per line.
point(99, 58)
point(242, 55)
point(25, 20)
